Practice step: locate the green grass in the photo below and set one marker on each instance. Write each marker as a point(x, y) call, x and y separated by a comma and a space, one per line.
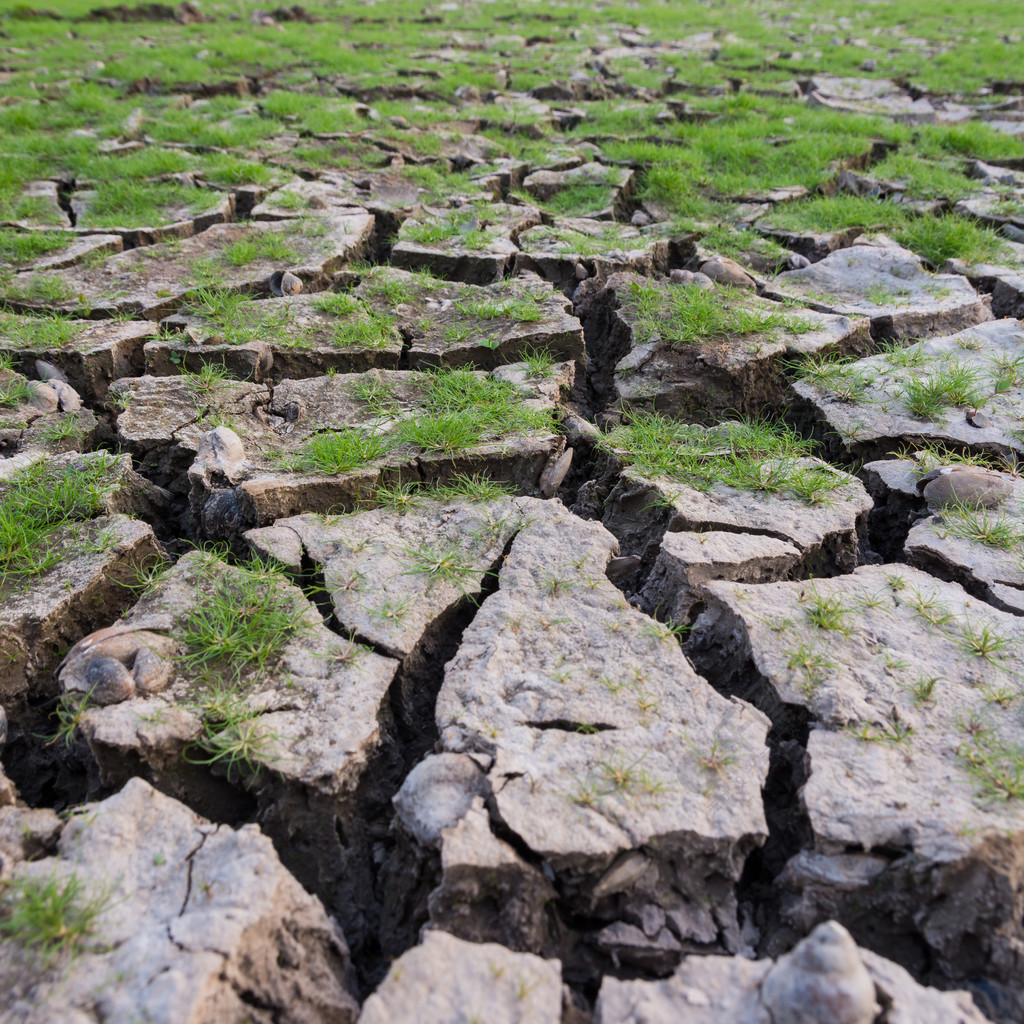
point(233, 735)
point(521, 309)
point(268, 245)
point(340, 451)
point(127, 203)
point(370, 330)
point(749, 455)
point(50, 331)
point(236, 319)
point(26, 246)
point(41, 516)
point(14, 390)
point(951, 236)
point(242, 621)
point(992, 528)
point(682, 316)
point(50, 916)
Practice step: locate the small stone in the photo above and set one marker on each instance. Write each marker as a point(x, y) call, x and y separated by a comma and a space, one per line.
point(797, 262)
point(869, 65)
point(977, 419)
point(221, 452)
point(581, 272)
point(553, 475)
point(968, 485)
point(681, 276)
point(67, 397)
point(620, 566)
point(47, 371)
point(44, 396)
point(723, 270)
point(151, 672)
point(702, 281)
point(1013, 233)
point(640, 219)
point(284, 282)
point(822, 981)
point(108, 681)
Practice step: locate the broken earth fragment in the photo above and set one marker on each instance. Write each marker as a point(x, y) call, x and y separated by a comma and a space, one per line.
point(171, 918)
point(448, 981)
point(826, 979)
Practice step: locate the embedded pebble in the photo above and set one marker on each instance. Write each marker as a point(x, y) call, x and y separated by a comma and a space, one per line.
point(965, 485)
point(108, 681)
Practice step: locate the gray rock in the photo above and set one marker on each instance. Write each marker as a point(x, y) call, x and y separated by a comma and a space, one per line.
point(190, 915)
point(67, 397)
point(452, 982)
point(554, 473)
point(437, 794)
point(822, 981)
point(47, 371)
point(725, 271)
point(965, 485)
point(108, 681)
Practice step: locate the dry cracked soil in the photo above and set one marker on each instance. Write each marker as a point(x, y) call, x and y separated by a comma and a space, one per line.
point(511, 513)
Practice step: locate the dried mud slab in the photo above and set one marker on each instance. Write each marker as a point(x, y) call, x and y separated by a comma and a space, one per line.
point(65, 249)
point(391, 575)
point(325, 443)
point(925, 393)
point(604, 191)
point(890, 285)
point(175, 219)
point(299, 198)
point(995, 208)
point(455, 324)
point(607, 758)
point(244, 702)
point(686, 561)
point(163, 418)
point(447, 980)
point(475, 244)
point(72, 570)
point(41, 198)
point(683, 351)
point(730, 480)
point(913, 787)
point(827, 969)
point(1003, 281)
point(979, 548)
point(188, 920)
point(154, 280)
point(89, 354)
point(880, 96)
point(292, 336)
point(576, 248)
